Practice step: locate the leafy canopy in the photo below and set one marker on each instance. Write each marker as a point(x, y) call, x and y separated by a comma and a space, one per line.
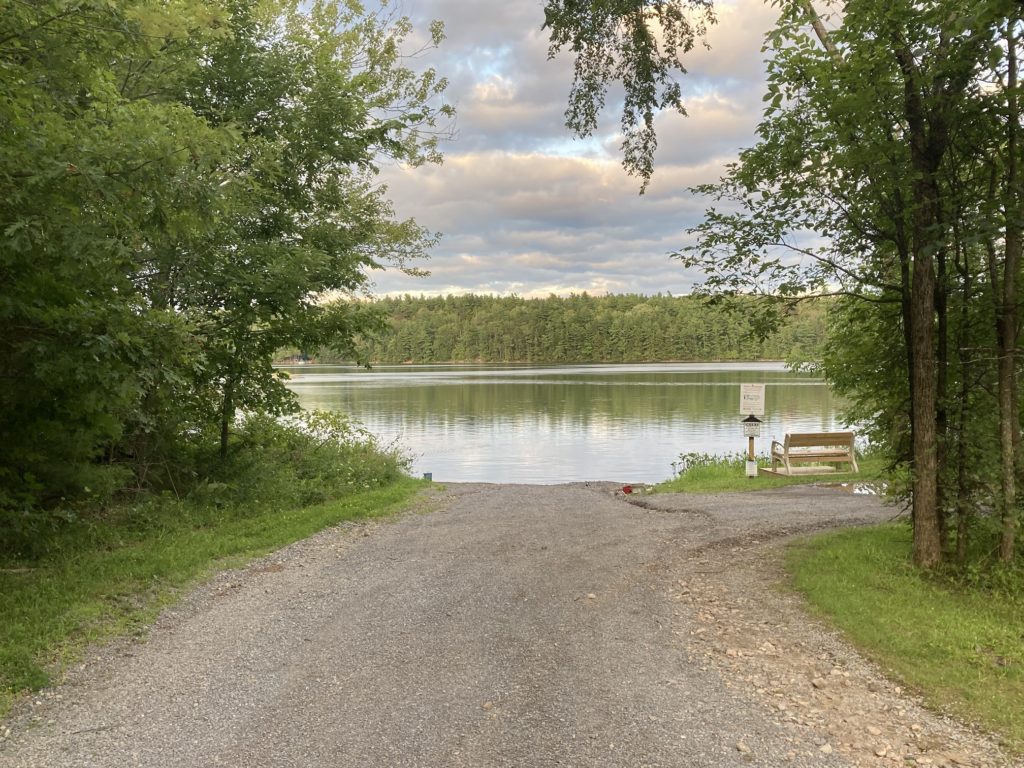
point(186, 186)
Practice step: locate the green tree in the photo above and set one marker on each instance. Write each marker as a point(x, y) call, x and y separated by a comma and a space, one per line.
point(318, 92)
point(858, 149)
point(188, 186)
point(576, 329)
point(874, 140)
point(84, 160)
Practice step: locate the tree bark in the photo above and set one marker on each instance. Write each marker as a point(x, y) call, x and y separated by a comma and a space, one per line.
point(927, 138)
point(903, 251)
point(819, 29)
point(1008, 310)
point(963, 504)
point(941, 391)
point(927, 531)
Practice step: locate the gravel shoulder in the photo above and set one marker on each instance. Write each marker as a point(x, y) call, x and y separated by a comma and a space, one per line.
point(503, 625)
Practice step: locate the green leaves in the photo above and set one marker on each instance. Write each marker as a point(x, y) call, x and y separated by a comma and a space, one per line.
point(583, 328)
point(886, 173)
point(181, 182)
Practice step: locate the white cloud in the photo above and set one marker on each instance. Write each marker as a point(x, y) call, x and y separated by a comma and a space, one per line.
point(524, 209)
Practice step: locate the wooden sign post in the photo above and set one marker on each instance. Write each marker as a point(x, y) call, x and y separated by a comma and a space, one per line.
point(752, 404)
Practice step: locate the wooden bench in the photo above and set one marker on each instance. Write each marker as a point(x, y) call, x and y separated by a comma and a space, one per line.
point(813, 448)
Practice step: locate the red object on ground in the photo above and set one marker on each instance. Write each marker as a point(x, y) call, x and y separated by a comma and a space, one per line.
point(627, 489)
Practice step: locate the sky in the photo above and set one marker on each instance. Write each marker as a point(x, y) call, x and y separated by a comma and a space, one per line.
point(524, 208)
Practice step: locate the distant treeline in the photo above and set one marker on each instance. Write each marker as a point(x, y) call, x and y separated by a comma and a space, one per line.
point(581, 329)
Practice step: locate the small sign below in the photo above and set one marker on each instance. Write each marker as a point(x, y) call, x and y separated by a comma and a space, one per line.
point(752, 399)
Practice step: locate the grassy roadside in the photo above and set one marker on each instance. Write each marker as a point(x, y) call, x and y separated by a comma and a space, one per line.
point(961, 648)
point(113, 579)
point(707, 474)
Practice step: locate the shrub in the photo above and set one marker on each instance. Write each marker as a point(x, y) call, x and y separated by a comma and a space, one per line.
point(273, 464)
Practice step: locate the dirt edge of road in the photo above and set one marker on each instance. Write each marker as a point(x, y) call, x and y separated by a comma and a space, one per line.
point(762, 637)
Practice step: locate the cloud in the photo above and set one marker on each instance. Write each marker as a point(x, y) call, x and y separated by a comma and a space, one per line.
point(525, 209)
point(733, 54)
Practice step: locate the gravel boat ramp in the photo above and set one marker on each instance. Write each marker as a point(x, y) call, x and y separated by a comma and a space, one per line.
point(503, 625)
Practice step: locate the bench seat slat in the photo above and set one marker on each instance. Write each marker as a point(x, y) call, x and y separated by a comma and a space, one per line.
point(819, 439)
point(809, 452)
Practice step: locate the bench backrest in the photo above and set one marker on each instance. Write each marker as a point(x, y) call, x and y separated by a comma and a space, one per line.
point(818, 439)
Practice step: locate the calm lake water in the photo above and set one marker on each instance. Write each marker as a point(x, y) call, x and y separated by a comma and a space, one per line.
point(554, 424)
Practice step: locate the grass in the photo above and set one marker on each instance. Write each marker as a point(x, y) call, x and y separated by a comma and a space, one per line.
point(712, 474)
point(960, 647)
point(113, 577)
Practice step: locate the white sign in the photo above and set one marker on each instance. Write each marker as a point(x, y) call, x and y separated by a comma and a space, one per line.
point(752, 399)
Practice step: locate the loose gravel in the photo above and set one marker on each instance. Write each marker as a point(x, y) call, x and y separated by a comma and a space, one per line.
point(503, 625)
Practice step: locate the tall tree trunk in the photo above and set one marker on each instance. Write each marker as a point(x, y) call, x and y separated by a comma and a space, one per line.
point(941, 391)
point(963, 503)
point(927, 532)
point(927, 137)
point(903, 250)
point(1008, 309)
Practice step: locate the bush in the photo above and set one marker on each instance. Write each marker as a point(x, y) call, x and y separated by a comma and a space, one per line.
point(306, 459)
point(273, 463)
point(695, 461)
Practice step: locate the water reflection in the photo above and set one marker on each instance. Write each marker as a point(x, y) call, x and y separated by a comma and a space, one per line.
point(559, 424)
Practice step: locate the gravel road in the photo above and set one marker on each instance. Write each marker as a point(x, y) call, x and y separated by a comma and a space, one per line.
point(503, 625)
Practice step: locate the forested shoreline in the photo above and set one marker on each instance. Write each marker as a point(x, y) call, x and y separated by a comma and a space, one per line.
point(578, 329)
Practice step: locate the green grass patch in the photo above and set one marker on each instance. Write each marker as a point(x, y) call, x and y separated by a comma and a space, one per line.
point(961, 647)
point(112, 576)
point(700, 473)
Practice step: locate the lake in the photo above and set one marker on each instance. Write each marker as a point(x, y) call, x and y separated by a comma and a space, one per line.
point(555, 424)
